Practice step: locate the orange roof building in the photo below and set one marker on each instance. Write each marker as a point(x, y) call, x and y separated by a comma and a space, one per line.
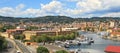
point(112, 49)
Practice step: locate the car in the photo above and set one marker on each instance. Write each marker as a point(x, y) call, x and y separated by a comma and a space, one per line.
point(18, 51)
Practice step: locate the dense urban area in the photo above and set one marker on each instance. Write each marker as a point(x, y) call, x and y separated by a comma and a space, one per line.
point(59, 34)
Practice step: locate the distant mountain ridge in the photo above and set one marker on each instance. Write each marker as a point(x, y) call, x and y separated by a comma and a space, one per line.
point(54, 19)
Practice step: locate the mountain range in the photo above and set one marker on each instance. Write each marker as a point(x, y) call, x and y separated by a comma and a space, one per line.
point(54, 19)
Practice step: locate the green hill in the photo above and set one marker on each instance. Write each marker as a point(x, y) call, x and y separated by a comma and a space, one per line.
point(54, 19)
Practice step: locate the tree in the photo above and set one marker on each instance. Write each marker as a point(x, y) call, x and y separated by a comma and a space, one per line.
point(67, 37)
point(3, 43)
point(61, 51)
point(60, 37)
point(2, 29)
point(52, 38)
point(22, 37)
point(72, 36)
point(44, 38)
point(5, 27)
point(38, 39)
point(92, 29)
point(41, 49)
point(34, 38)
point(31, 28)
point(16, 36)
point(19, 37)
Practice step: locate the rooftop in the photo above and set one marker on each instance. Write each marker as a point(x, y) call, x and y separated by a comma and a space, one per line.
point(114, 49)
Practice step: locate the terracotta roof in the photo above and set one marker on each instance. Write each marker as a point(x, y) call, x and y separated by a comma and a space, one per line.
point(46, 31)
point(19, 29)
point(115, 33)
point(116, 29)
point(13, 30)
point(115, 49)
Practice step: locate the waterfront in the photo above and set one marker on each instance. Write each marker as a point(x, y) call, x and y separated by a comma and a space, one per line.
point(98, 46)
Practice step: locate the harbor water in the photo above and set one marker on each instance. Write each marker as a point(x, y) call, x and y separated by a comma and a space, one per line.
point(98, 46)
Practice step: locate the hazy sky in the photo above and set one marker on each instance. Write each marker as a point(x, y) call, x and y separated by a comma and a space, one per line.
point(72, 8)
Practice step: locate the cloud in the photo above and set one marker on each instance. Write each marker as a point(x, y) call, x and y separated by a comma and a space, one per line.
point(6, 11)
point(90, 5)
point(20, 7)
point(111, 14)
point(52, 7)
point(111, 3)
point(83, 8)
point(73, 0)
point(97, 7)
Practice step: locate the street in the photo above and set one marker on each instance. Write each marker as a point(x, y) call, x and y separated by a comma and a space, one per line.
point(22, 47)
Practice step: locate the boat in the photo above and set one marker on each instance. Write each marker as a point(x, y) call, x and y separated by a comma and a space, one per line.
point(80, 51)
point(66, 46)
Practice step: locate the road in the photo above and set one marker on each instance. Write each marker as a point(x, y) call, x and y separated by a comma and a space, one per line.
point(22, 47)
point(32, 49)
point(11, 48)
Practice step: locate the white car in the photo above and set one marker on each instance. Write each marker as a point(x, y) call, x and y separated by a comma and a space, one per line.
point(18, 51)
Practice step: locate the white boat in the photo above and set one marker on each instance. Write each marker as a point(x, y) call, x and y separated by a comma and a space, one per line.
point(80, 51)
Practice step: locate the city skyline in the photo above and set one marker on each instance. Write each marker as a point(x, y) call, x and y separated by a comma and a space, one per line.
point(72, 8)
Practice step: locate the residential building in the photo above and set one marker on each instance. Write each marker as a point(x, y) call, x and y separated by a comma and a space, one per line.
point(12, 32)
point(115, 32)
point(28, 34)
point(112, 24)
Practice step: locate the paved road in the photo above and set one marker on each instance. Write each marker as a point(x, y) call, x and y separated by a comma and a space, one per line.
point(22, 47)
point(11, 48)
point(32, 49)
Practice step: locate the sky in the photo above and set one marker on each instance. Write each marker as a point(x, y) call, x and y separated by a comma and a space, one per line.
point(71, 8)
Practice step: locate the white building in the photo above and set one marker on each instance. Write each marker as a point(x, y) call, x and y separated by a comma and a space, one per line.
point(112, 24)
point(68, 29)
